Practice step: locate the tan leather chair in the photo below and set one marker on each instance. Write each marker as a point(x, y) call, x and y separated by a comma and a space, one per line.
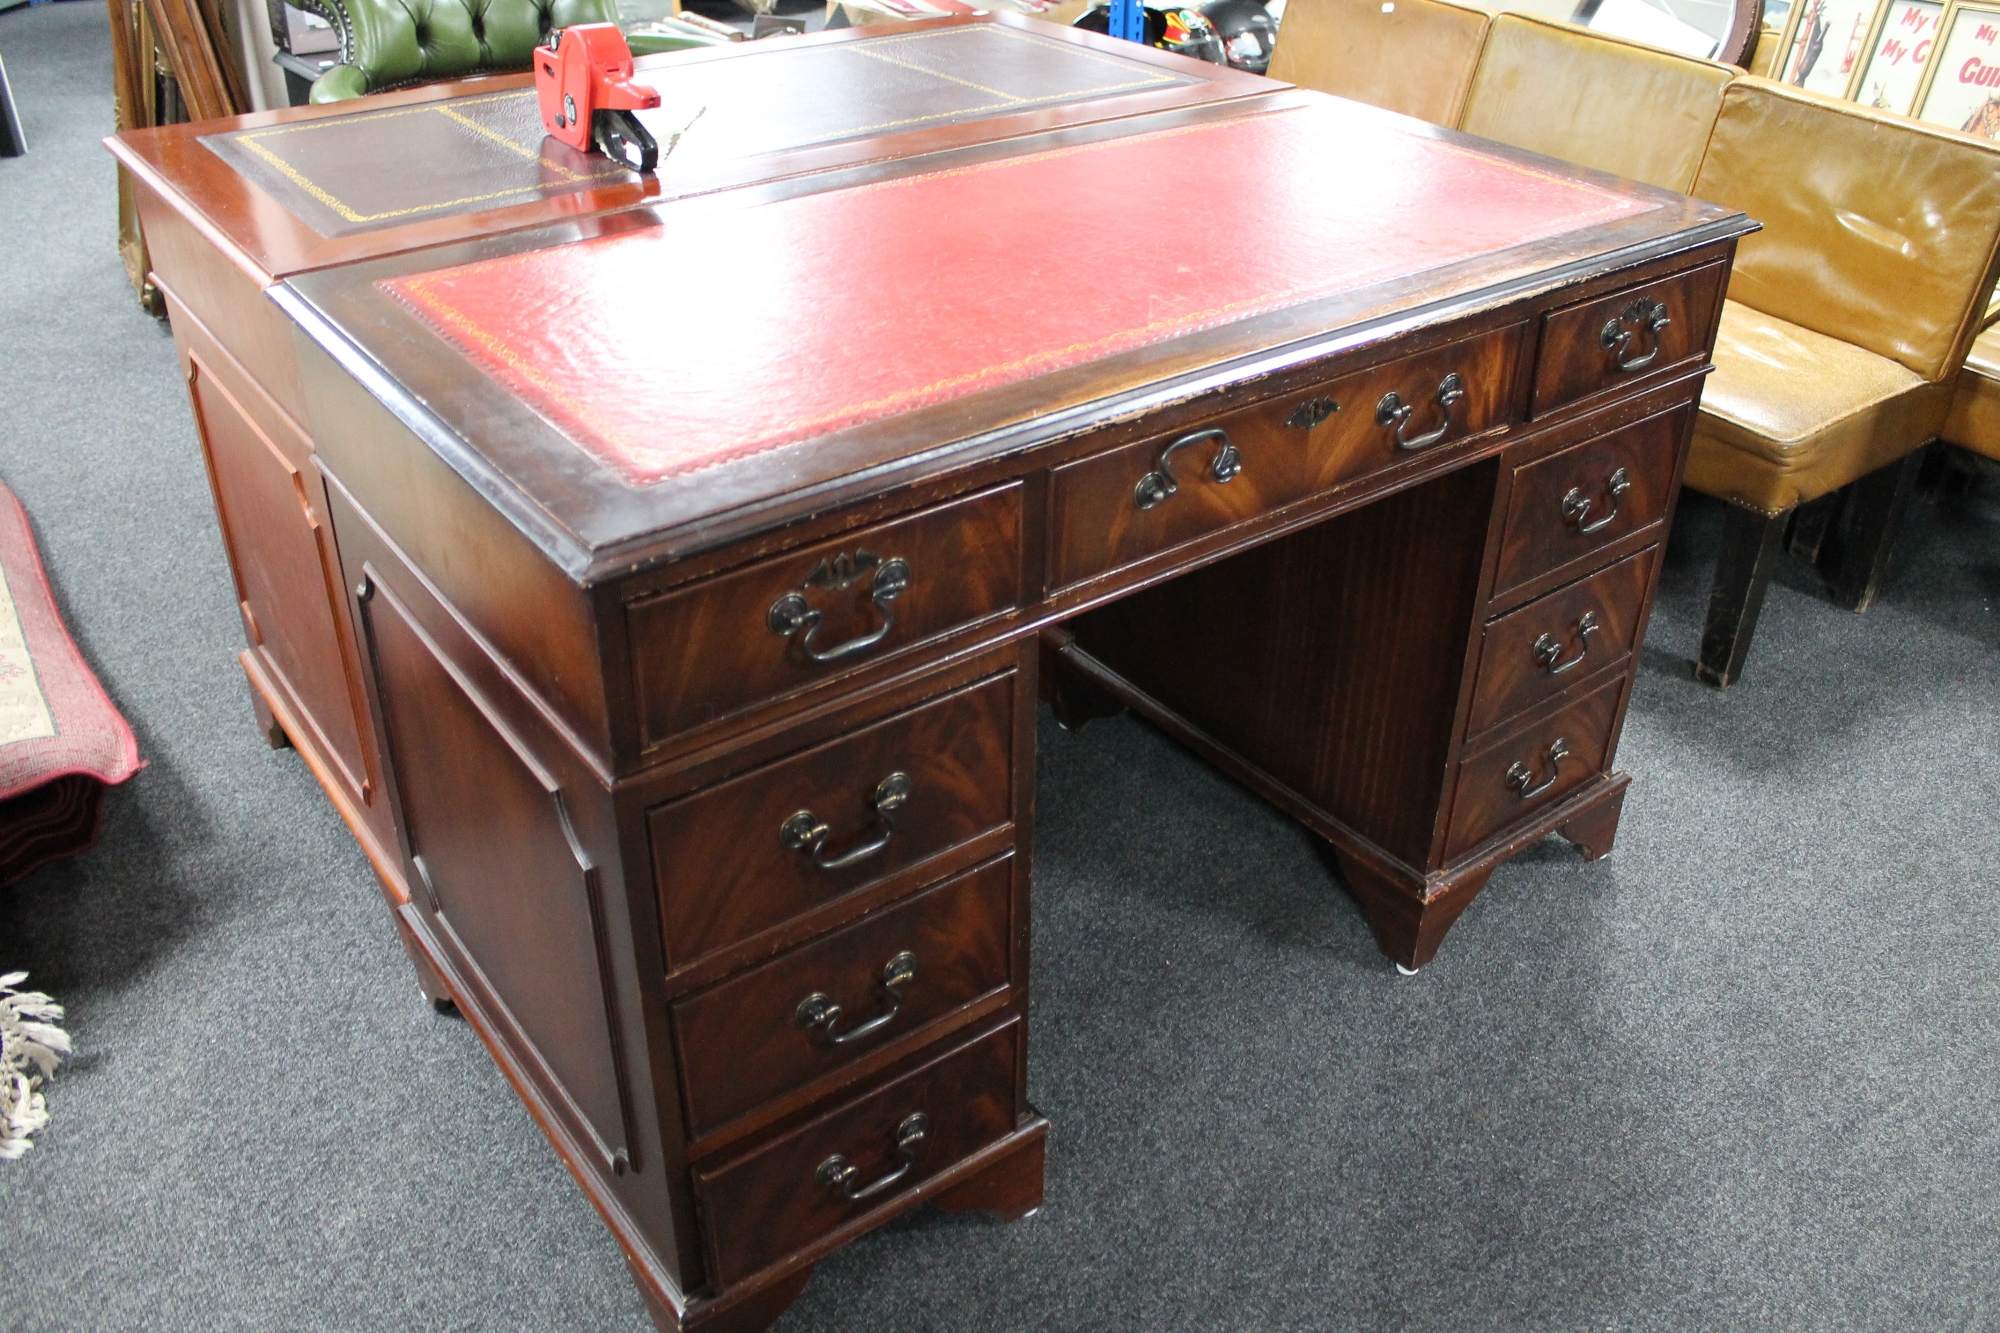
point(1412, 56)
point(1840, 344)
point(1974, 422)
point(1603, 102)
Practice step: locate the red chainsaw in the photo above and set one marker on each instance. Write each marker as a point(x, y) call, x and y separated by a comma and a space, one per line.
point(583, 80)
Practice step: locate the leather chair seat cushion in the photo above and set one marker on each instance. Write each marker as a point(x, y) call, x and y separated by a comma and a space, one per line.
point(1975, 409)
point(1632, 110)
point(1416, 58)
point(1878, 230)
point(1789, 414)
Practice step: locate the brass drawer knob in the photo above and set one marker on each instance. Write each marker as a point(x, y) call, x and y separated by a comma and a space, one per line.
point(1159, 484)
point(807, 832)
point(1522, 778)
point(1644, 314)
point(837, 1173)
point(819, 1015)
point(1548, 650)
point(1395, 414)
point(793, 614)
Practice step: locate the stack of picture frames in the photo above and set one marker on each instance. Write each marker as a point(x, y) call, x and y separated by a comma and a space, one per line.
point(1938, 62)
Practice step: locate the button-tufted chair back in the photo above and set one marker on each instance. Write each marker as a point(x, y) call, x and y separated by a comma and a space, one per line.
point(392, 43)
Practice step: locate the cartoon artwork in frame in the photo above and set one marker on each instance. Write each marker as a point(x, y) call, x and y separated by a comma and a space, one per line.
point(1961, 90)
point(1825, 43)
point(1898, 54)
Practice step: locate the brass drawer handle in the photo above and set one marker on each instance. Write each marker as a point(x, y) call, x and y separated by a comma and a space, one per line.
point(1394, 413)
point(1159, 484)
point(807, 832)
point(837, 1173)
point(1520, 776)
point(792, 613)
point(1548, 651)
point(819, 1015)
point(1644, 313)
point(1576, 505)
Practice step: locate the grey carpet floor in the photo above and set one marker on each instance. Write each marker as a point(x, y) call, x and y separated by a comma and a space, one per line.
point(1743, 1074)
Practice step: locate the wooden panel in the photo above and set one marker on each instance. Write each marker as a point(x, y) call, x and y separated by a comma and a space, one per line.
point(287, 571)
point(1571, 504)
point(1329, 661)
point(753, 1038)
point(1532, 769)
point(1557, 640)
point(703, 653)
point(724, 871)
point(1112, 509)
point(1606, 343)
point(496, 860)
point(769, 1202)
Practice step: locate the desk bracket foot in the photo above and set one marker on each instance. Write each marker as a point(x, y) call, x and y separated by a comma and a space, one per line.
point(1593, 829)
point(429, 980)
point(1408, 927)
point(1010, 1187)
point(753, 1314)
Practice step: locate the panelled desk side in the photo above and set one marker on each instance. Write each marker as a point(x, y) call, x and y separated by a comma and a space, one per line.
point(754, 946)
point(218, 240)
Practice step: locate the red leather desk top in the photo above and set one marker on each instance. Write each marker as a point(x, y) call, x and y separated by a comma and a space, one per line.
point(828, 310)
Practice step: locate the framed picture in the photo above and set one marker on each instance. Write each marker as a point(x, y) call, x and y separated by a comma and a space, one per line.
point(1961, 89)
point(1898, 54)
point(1824, 42)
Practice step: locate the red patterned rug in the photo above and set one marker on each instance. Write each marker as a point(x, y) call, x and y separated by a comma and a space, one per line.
point(62, 744)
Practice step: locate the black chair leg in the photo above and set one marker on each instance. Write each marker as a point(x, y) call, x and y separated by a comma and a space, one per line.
point(1751, 547)
point(1810, 522)
point(13, 143)
point(1855, 557)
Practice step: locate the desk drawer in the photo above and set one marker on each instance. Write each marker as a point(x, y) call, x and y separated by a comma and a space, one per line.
point(821, 1007)
point(736, 858)
point(1566, 507)
point(793, 1190)
point(713, 649)
point(1532, 769)
point(1117, 507)
point(1559, 639)
point(1608, 342)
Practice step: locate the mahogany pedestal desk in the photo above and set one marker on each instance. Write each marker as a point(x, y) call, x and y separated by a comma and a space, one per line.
point(701, 612)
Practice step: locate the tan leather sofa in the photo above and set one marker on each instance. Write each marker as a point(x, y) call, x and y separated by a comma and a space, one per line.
point(1411, 56)
point(1840, 344)
point(1602, 102)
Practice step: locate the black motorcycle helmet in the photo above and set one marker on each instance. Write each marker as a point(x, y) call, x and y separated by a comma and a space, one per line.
point(1246, 30)
point(1171, 28)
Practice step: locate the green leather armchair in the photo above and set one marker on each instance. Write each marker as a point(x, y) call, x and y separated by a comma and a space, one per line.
point(394, 43)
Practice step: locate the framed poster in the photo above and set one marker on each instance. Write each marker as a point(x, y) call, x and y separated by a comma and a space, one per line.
point(1961, 90)
point(1898, 54)
point(1824, 42)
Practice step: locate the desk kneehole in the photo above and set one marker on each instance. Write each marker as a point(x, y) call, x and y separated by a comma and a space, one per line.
point(1118, 507)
